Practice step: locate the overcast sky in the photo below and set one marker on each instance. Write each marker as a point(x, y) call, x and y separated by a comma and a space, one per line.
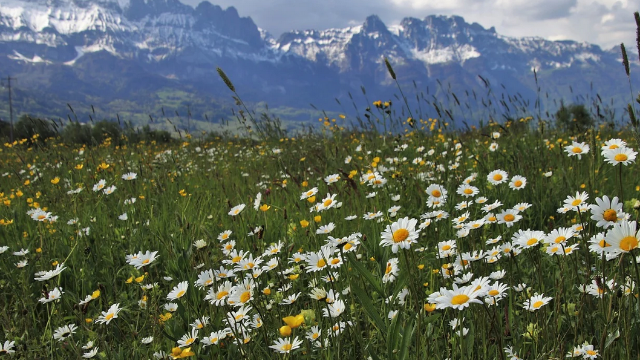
point(603, 22)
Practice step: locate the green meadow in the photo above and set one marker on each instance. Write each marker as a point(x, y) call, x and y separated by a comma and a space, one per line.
point(401, 238)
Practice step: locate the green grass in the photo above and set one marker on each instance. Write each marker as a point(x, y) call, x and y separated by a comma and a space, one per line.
point(184, 192)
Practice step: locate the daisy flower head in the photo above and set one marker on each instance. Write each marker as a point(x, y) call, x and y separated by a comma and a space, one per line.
point(309, 193)
point(497, 177)
point(437, 191)
point(372, 215)
point(285, 346)
point(99, 185)
point(391, 271)
point(518, 182)
point(467, 190)
point(508, 217)
point(332, 179)
point(588, 352)
point(521, 206)
point(493, 147)
point(46, 275)
point(613, 144)
point(606, 212)
point(143, 260)
point(129, 176)
point(52, 295)
point(7, 347)
point(536, 302)
point(574, 202)
point(622, 237)
point(559, 235)
point(109, 315)
point(39, 215)
point(458, 298)
point(64, 332)
point(325, 229)
point(621, 155)
point(400, 234)
point(317, 261)
point(327, 203)
point(237, 209)
point(188, 338)
point(178, 291)
point(577, 149)
point(528, 238)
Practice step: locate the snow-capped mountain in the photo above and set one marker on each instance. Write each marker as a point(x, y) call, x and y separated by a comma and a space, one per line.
point(105, 50)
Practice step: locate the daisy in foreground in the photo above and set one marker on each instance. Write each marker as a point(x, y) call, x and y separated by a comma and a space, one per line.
point(64, 332)
point(400, 234)
point(236, 209)
point(109, 315)
point(577, 149)
point(285, 346)
point(536, 302)
point(622, 237)
point(458, 298)
point(178, 291)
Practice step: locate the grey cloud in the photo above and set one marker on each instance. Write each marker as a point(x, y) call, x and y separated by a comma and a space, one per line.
point(579, 20)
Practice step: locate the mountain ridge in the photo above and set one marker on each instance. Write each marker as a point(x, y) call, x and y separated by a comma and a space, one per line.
point(148, 45)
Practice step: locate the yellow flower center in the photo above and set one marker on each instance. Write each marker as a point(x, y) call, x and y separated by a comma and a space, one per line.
point(335, 261)
point(610, 215)
point(620, 157)
point(628, 243)
point(348, 246)
point(180, 293)
point(532, 241)
point(576, 202)
point(400, 235)
point(576, 150)
point(517, 183)
point(327, 202)
point(389, 268)
point(613, 146)
point(146, 261)
point(245, 297)
point(446, 247)
point(494, 292)
point(509, 217)
point(537, 304)
point(236, 259)
point(492, 218)
point(321, 263)
point(560, 239)
point(603, 244)
point(468, 191)
point(436, 193)
point(459, 299)
point(497, 177)
point(109, 317)
point(286, 347)
point(222, 294)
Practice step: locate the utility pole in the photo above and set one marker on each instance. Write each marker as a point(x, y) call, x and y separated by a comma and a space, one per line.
point(9, 78)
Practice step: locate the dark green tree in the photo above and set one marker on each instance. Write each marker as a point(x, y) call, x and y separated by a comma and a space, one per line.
point(574, 118)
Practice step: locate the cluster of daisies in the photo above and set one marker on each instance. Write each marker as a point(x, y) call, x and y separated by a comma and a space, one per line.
point(614, 151)
point(249, 284)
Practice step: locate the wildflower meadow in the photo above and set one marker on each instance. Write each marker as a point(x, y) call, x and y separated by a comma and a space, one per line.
point(506, 240)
